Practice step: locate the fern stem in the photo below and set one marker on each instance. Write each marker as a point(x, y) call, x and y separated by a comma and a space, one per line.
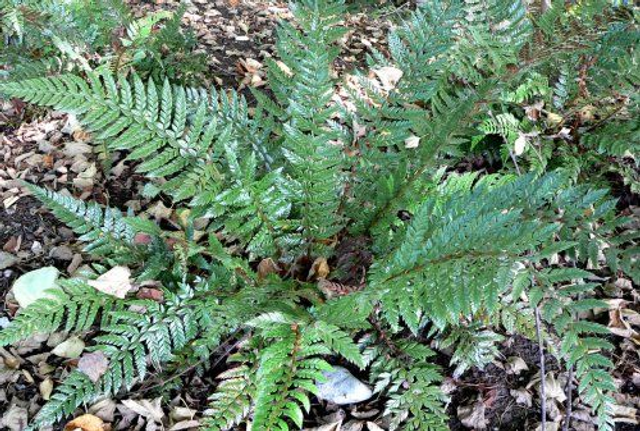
point(543, 391)
point(569, 391)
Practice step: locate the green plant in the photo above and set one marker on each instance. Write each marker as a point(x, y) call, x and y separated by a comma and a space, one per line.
point(47, 37)
point(454, 254)
point(575, 108)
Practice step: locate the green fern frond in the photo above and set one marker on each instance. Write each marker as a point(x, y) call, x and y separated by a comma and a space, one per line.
point(439, 270)
point(232, 401)
point(145, 119)
point(473, 347)
point(130, 340)
point(76, 390)
point(74, 306)
point(411, 382)
point(253, 209)
point(103, 229)
point(290, 365)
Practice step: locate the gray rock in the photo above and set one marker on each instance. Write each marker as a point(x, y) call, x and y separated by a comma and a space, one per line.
point(341, 387)
point(61, 252)
point(7, 260)
point(45, 147)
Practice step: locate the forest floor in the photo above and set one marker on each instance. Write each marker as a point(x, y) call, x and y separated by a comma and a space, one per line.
point(50, 150)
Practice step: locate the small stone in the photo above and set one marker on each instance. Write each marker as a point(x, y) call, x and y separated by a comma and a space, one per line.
point(36, 247)
point(61, 252)
point(45, 147)
point(7, 260)
point(341, 387)
point(65, 232)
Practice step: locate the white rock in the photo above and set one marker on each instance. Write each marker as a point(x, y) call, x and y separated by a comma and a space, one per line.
point(341, 387)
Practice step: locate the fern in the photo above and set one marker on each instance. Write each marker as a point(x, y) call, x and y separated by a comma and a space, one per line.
point(254, 209)
point(310, 146)
point(474, 347)
point(231, 403)
point(104, 230)
point(458, 238)
point(147, 120)
point(130, 339)
point(580, 348)
point(411, 382)
point(73, 306)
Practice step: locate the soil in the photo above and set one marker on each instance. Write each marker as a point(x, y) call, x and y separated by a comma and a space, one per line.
point(27, 221)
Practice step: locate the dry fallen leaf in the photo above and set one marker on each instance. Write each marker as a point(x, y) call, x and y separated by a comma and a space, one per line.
point(473, 416)
point(115, 282)
point(150, 293)
point(15, 419)
point(267, 266)
point(388, 76)
point(412, 142)
point(319, 269)
point(71, 348)
point(625, 414)
point(46, 387)
point(150, 410)
point(554, 388)
point(336, 426)
point(184, 425)
point(104, 409)
point(94, 365)
point(549, 426)
point(85, 423)
point(522, 396)
point(515, 365)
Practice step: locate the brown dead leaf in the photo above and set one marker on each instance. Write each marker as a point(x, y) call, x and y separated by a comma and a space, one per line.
point(150, 293)
point(473, 416)
point(85, 423)
point(46, 387)
point(319, 269)
point(267, 266)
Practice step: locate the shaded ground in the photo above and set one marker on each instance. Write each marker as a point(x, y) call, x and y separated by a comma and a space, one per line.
point(47, 150)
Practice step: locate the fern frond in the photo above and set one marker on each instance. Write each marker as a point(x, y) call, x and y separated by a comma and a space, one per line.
point(74, 306)
point(232, 400)
point(411, 382)
point(103, 229)
point(439, 270)
point(290, 365)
